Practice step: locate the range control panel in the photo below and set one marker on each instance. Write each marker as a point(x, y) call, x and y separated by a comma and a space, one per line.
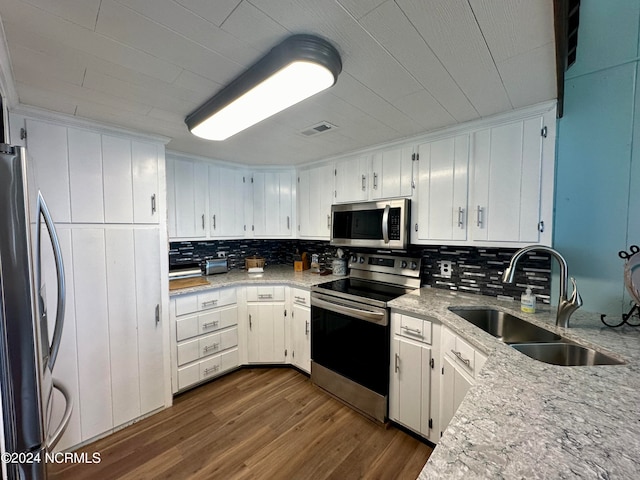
point(393, 264)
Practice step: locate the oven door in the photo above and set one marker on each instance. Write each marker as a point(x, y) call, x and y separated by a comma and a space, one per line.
point(350, 352)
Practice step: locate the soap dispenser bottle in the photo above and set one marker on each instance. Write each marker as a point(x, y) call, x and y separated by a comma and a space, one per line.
point(528, 301)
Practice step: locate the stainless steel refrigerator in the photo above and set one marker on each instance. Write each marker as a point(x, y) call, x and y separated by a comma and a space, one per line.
point(27, 355)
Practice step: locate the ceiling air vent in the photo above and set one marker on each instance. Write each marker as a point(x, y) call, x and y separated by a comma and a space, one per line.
point(317, 129)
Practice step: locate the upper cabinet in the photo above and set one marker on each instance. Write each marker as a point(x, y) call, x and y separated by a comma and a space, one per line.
point(383, 174)
point(273, 194)
point(226, 202)
point(88, 176)
point(315, 194)
point(489, 186)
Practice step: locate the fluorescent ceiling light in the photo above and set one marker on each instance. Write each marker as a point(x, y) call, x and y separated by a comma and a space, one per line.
point(297, 68)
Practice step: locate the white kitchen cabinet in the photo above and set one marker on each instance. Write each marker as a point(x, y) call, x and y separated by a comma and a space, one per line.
point(85, 176)
point(352, 179)
point(190, 182)
point(512, 182)
point(145, 167)
point(273, 195)
point(460, 364)
point(118, 179)
point(410, 380)
point(204, 336)
point(300, 327)
point(266, 311)
point(441, 209)
point(315, 195)
point(392, 173)
point(226, 202)
point(47, 151)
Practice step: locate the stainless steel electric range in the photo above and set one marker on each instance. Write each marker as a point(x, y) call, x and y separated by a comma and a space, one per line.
point(350, 331)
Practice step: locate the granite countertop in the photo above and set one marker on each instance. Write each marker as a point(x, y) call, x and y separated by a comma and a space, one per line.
point(528, 419)
point(283, 274)
point(522, 418)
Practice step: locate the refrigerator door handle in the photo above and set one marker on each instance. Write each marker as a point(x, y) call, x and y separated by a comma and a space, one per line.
point(43, 212)
point(53, 439)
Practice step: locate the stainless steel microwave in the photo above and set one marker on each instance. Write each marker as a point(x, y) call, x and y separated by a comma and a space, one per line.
point(378, 224)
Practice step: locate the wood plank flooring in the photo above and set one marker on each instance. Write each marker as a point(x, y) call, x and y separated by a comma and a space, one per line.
point(260, 423)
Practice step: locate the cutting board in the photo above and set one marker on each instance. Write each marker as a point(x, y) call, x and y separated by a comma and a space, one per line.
point(179, 283)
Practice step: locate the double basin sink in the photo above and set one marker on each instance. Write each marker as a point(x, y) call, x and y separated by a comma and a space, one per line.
point(536, 342)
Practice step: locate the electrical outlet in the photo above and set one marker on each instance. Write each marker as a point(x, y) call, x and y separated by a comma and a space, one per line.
point(222, 254)
point(446, 268)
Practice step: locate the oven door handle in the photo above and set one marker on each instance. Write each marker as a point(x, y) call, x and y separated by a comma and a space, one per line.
point(373, 317)
point(385, 224)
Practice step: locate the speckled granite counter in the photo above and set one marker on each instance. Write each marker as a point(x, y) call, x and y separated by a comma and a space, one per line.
point(527, 419)
point(283, 274)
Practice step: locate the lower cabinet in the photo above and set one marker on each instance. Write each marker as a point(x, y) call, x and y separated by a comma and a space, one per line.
point(460, 364)
point(300, 329)
point(266, 311)
point(204, 336)
point(410, 381)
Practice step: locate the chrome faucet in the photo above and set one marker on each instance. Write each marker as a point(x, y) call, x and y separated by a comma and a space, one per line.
point(566, 306)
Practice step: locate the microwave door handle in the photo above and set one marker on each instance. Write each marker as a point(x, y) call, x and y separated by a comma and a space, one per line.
point(385, 224)
point(43, 212)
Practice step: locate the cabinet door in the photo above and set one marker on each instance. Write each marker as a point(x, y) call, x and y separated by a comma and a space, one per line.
point(301, 337)
point(145, 157)
point(92, 324)
point(85, 176)
point(149, 319)
point(118, 179)
point(391, 173)
point(352, 179)
point(266, 333)
point(454, 386)
point(305, 224)
point(48, 157)
point(191, 180)
point(506, 188)
point(231, 203)
point(315, 196)
point(285, 204)
point(442, 189)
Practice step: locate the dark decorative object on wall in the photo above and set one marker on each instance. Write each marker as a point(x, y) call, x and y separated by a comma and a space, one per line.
point(473, 269)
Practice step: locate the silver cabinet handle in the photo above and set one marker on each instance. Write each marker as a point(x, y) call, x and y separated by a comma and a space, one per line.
point(210, 347)
point(385, 224)
point(364, 182)
point(460, 217)
point(214, 222)
point(203, 221)
point(416, 331)
point(288, 223)
point(479, 216)
point(213, 324)
point(208, 371)
point(209, 303)
point(153, 204)
point(157, 314)
point(375, 181)
point(329, 221)
point(250, 324)
point(466, 361)
point(306, 327)
point(397, 363)
point(300, 299)
point(263, 296)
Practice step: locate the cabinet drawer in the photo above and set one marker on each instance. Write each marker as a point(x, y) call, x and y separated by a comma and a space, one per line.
point(196, 302)
point(207, 368)
point(266, 293)
point(301, 297)
point(188, 352)
point(415, 328)
point(206, 322)
point(462, 352)
point(212, 344)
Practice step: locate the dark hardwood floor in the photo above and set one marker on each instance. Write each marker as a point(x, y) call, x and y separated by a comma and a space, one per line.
point(262, 423)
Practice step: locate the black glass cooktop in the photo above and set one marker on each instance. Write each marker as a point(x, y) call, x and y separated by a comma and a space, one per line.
point(363, 289)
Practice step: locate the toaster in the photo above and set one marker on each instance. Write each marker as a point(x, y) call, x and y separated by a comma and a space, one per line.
point(215, 265)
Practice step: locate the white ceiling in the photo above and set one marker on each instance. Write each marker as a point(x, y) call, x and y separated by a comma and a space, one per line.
point(409, 66)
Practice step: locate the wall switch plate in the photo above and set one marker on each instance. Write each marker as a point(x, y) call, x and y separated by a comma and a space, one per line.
point(446, 268)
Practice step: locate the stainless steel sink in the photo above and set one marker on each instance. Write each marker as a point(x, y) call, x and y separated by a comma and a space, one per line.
point(506, 327)
point(565, 354)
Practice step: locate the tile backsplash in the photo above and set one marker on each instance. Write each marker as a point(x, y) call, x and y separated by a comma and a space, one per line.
point(473, 269)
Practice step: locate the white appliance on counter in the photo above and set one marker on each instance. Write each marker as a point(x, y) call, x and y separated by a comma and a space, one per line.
point(26, 355)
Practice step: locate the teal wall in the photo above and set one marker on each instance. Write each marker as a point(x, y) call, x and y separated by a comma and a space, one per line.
point(597, 196)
